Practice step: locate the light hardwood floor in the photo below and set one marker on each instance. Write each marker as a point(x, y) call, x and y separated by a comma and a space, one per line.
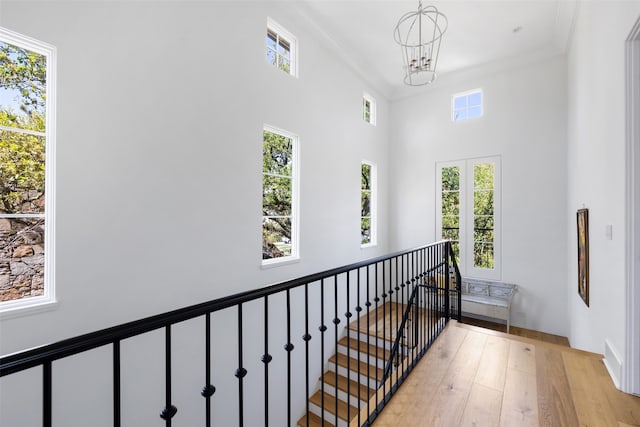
point(515, 330)
point(479, 377)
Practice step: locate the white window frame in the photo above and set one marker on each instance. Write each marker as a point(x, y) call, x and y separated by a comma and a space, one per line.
point(466, 95)
point(466, 168)
point(372, 109)
point(293, 44)
point(46, 301)
point(373, 207)
point(295, 200)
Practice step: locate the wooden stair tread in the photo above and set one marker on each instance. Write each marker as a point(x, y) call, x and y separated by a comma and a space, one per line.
point(383, 321)
point(330, 405)
point(363, 347)
point(348, 386)
point(314, 421)
point(352, 364)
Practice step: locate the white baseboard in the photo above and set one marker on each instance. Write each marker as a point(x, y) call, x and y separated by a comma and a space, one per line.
point(613, 363)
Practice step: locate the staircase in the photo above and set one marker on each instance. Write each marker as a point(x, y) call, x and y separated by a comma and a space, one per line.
point(362, 354)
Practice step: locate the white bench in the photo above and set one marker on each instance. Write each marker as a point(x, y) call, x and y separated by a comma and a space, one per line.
point(488, 298)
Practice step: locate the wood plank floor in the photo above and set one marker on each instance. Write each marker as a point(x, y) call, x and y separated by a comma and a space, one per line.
point(515, 330)
point(478, 377)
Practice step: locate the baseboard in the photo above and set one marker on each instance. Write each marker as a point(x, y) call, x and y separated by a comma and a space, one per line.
point(485, 318)
point(613, 363)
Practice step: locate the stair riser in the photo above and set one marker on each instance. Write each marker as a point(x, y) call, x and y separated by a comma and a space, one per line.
point(387, 344)
point(371, 382)
point(371, 360)
point(328, 416)
point(342, 395)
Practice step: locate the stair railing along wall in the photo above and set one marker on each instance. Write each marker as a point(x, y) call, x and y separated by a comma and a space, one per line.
point(325, 349)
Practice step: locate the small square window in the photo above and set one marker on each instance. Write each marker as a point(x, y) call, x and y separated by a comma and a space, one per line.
point(369, 109)
point(467, 105)
point(281, 48)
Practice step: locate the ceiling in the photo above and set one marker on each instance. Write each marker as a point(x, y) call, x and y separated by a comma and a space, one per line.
point(480, 33)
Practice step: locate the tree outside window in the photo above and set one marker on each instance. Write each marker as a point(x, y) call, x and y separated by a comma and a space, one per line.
point(23, 144)
point(468, 208)
point(278, 193)
point(367, 204)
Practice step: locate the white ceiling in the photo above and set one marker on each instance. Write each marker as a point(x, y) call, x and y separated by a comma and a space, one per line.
point(480, 32)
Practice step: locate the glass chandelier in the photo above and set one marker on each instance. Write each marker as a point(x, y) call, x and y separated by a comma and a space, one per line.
point(419, 35)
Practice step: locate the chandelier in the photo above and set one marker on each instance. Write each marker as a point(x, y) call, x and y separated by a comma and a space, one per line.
point(419, 35)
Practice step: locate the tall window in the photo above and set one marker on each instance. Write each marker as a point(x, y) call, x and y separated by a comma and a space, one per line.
point(466, 105)
point(26, 171)
point(281, 48)
point(484, 215)
point(368, 208)
point(450, 211)
point(468, 213)
point(369, 109)
point(279, 194)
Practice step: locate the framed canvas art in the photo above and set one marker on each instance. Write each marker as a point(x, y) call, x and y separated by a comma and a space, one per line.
point(583, 254)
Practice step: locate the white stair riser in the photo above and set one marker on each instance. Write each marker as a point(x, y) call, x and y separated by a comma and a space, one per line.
point(386, 344)
point(371, 360)
point(342, 395)
point(354, 376)
point(327, 415)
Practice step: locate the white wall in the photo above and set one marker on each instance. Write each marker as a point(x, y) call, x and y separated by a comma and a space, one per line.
point(596, 168)
point(160, 113)
point(524, 123)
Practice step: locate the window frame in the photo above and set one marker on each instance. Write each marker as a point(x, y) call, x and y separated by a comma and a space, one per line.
point(373, 204)
point(47, 301)
point(466, 94)
point(287, 36)
point(295, 198)
point(372, 109)
point(467, 216)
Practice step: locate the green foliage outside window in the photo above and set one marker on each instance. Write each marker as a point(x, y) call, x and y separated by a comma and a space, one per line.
point(23, 84)
point(25, 72)
point(365, 204)
point(278, 52)
point(367, 110)
point(483, 214)
point(451, 208)
point(22, 155)
point(277, 195)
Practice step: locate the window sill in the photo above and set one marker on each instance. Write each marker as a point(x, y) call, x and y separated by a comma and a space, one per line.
point(25, 309)
point(368, 245)
point(275, 262)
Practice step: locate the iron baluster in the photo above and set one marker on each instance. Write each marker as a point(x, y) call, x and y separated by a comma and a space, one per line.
point(336, 321)
point(241, 372)
point(447, 308)
point(169, 410)
point(348, 316)
point(46, 394)
point(289, 348)
point(208, 390)
point(306, 339)
point(322, 329)
point(116, 384)
point(358, 310)
point(266, 359)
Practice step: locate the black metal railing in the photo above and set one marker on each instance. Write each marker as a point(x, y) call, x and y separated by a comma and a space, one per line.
point(385, 312)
